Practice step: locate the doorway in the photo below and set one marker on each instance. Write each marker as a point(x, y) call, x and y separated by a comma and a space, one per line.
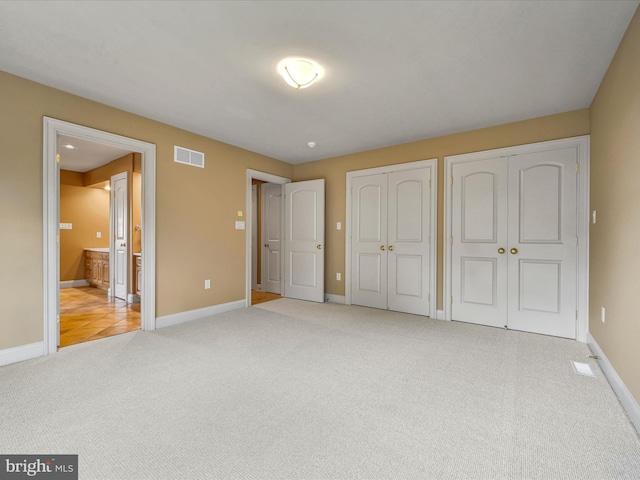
point(53, 130)
point(100, 203)
point(300, 261)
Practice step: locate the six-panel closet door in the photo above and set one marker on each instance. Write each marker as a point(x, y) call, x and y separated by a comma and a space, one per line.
point(390, 240)
point(514, 242)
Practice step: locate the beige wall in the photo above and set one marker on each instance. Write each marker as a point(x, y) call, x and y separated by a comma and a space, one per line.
point(334, 171)
point(196, 208)
point(615, 171)
point(87, 209)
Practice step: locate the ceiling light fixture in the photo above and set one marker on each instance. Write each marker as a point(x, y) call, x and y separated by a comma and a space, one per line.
point(70, 147)
point(311, 144)
point(299, 72)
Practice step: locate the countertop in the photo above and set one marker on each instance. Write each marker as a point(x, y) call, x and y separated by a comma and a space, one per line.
point(103, 250)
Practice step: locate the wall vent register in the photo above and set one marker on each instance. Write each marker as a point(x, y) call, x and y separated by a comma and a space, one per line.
point(188, 157)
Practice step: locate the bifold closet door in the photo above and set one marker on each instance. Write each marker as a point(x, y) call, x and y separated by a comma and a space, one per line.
point(390, 241)
point(514, 242)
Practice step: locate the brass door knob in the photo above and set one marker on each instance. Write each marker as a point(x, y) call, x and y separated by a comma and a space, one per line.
point(266, 245)
point(501, 250)
point(391, 248)
point(513, 251)
point(319, 247)
point(381, 247)
point(123, 244)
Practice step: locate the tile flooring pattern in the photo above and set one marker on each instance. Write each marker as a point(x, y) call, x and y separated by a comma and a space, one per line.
point(87, 313)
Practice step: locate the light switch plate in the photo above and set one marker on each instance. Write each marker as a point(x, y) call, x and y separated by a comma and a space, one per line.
point(66, 226)
point(339, 226)
point(98, 234)
point(239, 225)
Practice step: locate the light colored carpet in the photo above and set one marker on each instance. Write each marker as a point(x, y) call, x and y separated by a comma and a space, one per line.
point(298, 390)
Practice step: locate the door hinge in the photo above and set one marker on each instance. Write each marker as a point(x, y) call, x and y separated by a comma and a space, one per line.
point(451, 179)
point(451, 239)
point(57, 238)
point(577, 167)
point(451, 299)
point(576, 314)
point(429, 296)
point(57, 158)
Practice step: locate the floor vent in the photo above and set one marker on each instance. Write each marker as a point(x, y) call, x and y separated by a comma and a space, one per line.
point(188, 157)
point(582, 369)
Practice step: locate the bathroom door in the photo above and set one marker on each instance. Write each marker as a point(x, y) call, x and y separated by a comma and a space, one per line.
point(119, 257)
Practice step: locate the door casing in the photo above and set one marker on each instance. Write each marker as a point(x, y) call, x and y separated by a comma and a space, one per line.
point(582, 143)
point(51, 221)
point(433, 248)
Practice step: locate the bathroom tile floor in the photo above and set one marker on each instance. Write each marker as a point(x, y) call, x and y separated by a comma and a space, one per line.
point(87, 313)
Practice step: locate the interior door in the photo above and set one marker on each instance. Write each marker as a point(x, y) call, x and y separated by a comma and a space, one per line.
point(409, 208)
point(120, 231)
point(304, 240)
point(479, 242)
point(514, 242)
point(271, 237)
point(369, 241)
point(543, 242)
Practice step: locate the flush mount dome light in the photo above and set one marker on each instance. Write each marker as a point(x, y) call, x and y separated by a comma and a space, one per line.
point(299, 72)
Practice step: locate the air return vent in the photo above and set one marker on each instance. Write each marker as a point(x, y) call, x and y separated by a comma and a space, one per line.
point(188, 157)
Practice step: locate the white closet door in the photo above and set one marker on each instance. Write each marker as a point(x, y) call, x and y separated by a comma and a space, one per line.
point(479, 243)
point(409, 210)
point(271, 233)
point(120, 251)
point(542, 239)
point(369, 241)
point(304, 240)
point(514, 245)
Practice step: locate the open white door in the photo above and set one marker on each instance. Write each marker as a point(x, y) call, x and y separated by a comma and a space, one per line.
point(271, 233)
point(120, 235)
point(304, 240)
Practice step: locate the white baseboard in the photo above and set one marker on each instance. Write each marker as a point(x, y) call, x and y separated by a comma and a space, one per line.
point(182, 317)
point(329, 297)
point(21, 353)
point(74, 283)
point(439, 314)
point(133, 298)
point(622, 392)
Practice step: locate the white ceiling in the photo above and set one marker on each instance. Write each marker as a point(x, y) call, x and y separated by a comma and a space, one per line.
point(87, 155)
point(395, 71)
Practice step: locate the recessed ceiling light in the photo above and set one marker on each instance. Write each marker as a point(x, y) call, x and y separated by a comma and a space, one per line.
point(311, 144)
point(107, 187)
point(299, 72)
point(70, 147)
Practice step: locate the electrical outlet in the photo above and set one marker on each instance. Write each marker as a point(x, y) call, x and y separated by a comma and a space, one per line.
point(602, 314)
point(98, 234)
point(207, 284)
point(338, 276)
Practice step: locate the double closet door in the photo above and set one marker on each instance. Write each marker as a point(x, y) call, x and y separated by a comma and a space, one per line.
point(390, 260)
point(514, 241)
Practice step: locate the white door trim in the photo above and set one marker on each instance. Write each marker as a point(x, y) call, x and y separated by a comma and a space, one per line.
point(265, 177)
point(433, 248)
point(582, 142)
point(50, 220)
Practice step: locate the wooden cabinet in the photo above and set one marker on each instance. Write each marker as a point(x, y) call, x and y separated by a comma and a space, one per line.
point(138, 275)
point(97, 269)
